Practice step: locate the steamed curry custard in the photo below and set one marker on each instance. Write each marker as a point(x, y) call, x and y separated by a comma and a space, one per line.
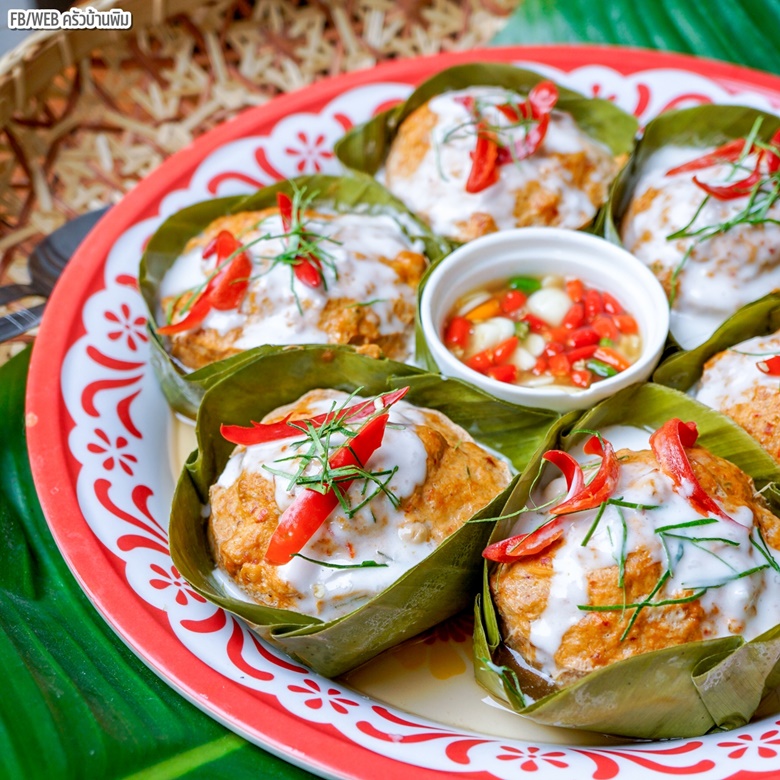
point(294, 273)
point(701, 210)
point(481, 159)
point(659, 546)
point(743, 382)
point(331, 498)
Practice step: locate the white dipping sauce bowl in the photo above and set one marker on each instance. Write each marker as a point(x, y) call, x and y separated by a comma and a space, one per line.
point(539, 251)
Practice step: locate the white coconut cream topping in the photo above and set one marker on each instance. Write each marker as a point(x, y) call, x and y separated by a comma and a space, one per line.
point(706, 557)
point(375, 532)
point(437, 188)
point(721, 273)
point(734, 376)
point(280, 309)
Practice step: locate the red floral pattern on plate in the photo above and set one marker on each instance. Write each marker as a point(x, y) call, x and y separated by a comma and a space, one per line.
point(122, 484)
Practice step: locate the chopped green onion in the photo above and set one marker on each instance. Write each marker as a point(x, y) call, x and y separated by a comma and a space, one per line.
point(600, 368)
point(526, 284)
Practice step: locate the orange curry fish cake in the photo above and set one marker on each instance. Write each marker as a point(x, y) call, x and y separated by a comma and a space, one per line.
point(744, 383)
point(688, 220)
point(326, 278)
point(645, 558)
point(471, 162)
point(426, 479)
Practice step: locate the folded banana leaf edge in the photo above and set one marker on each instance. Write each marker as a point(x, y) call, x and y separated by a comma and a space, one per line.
point(700, 126)
point(682, 369)
point(365, 148)
point(681, 691)
point(183, 388)
point(436, 588)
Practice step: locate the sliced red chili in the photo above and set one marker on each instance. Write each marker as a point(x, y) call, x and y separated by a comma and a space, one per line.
point(559, 365)
point(491, 356)
point(582, 377)
point(669, 443)
point(581, 353)
point(300, 521)
point(611, 304)
point(196, 314)
point(503, 373)
point(258, 432)
point(612, 358)
point(467, 101)
point(575, 289)
point(225, 289)
point(559, 334)
point(526, 146)
point(232, 281)
point(307, 268)
point(582, 337)
point(605, 326)
point(536, 324)
point(456, 334)
point(542, 98)
point(601, 487)
point(737, 189)
point(285, 204)
point(593, 304)
point(575, 317)
point(728, 152)
point(484, 167)
point(554, 348)
point(512, 113)
point(626, 323)
point(513, 301)
point(503, 351)
point(523, 545)
point(771, 366)
point(231, 284)
point(773, 153)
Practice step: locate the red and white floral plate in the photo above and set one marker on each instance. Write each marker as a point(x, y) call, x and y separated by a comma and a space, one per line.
point(96, 421)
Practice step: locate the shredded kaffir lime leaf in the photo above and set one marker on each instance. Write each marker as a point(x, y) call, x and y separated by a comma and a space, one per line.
point(762, 196)
point(328, 564)
point(301, 241)
point(477, 125)
point(313, 452)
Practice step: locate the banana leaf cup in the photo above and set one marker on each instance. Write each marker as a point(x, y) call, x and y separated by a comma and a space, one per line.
point(683, 368)
point(439, 586)
point(704, 126)
point(680, 691)
point(365, 148)
point(184, 388)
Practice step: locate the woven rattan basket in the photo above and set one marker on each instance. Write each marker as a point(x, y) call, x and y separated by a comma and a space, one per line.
point(85, 114)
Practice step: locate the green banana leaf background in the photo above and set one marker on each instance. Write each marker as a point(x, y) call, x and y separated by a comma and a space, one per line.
point(119, 719)
point(686, 690)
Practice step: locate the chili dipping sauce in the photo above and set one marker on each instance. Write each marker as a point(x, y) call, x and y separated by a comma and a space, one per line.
point(543, 331)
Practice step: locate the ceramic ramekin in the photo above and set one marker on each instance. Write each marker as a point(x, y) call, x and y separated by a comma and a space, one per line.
point(537, 252)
